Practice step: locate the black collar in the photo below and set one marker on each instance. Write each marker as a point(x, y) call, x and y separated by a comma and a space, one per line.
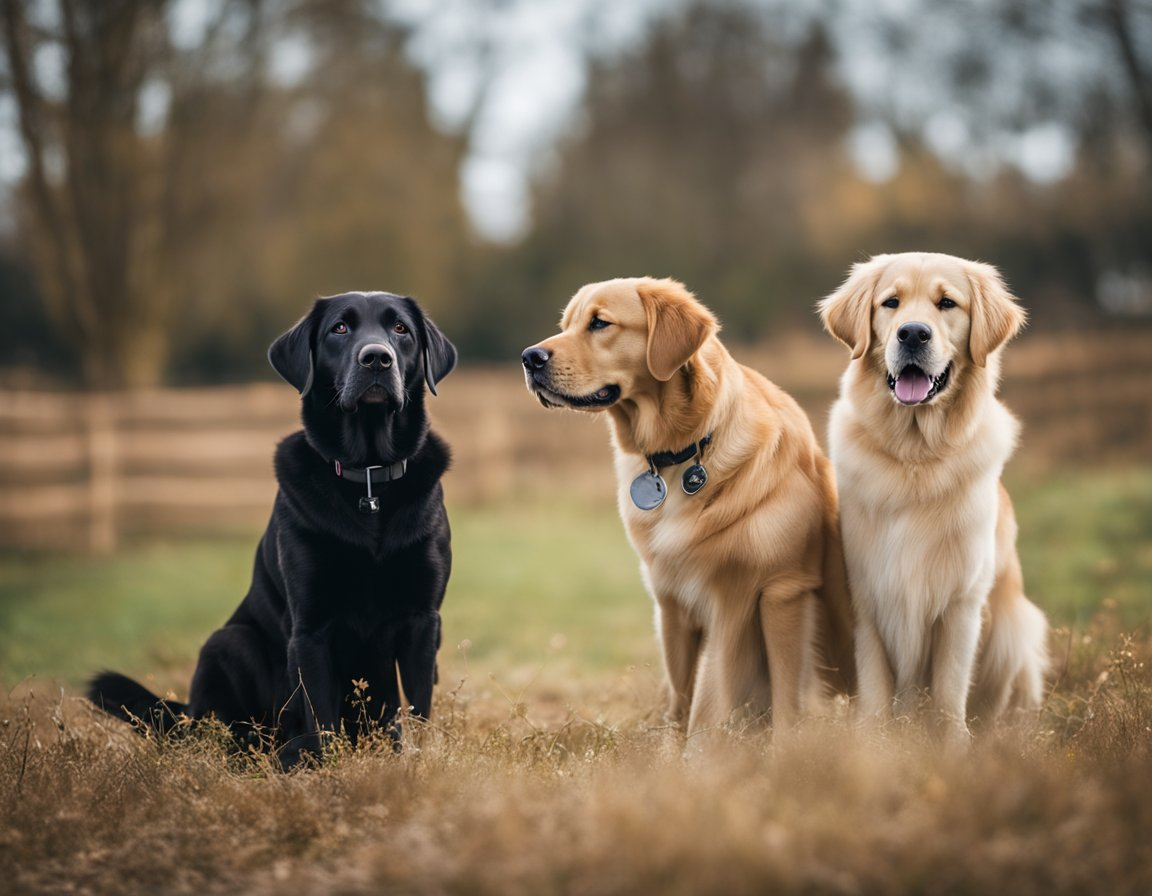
point(370, 503)
point(372, 474)
point(672, 458)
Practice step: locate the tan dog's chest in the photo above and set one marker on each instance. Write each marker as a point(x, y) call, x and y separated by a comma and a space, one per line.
point(686, 558)
point(909, 559)
point(669, 546)
point(919, 535)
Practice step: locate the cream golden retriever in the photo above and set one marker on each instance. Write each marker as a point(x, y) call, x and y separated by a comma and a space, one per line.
point(724, 492)
point(919, 440)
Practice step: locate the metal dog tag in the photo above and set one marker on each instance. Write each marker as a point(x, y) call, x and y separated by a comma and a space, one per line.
point(694, 479)
point(370, 503)
point(648, 490)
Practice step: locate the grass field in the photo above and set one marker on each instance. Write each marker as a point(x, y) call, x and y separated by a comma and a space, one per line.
point(542, 584)
point(546, 768)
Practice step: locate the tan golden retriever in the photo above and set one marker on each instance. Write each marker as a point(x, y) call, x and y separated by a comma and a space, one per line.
point(919, 440)
point(747, 571)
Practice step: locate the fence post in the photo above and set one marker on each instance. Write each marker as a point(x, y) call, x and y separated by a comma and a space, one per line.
point(102, 486)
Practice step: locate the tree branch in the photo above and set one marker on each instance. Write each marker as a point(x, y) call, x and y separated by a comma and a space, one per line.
point(1119, 22)
point(30, 108)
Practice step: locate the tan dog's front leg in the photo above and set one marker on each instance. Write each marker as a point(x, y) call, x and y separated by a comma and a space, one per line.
point(680, 640)
point(787, 621)
point(953, 657)
point(873, 672)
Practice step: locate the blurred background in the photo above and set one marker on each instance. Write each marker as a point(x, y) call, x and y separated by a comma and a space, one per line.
point(179, 179)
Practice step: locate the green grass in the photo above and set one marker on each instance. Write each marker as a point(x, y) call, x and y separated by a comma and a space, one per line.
point(546, 584)
point(1086, 543)
point(537, 586)
point(146, 610)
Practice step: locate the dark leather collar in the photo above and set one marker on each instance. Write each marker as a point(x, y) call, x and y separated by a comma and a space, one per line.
point(378, 472)
point(672, 458)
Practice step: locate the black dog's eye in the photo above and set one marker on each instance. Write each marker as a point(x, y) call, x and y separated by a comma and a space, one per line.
point(400, 328)
point(945, 303)
point(598, 324)
point(340, 327)
point(892, 302)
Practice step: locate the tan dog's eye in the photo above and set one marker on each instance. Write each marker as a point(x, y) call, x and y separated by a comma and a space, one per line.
point(598, 324)
point(892, 302)
point(945, 303)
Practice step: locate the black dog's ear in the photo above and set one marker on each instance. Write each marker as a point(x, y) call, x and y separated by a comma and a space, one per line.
point(439, 353)
point(291, 354)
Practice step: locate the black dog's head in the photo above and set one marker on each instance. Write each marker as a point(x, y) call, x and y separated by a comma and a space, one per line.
point(360, 361)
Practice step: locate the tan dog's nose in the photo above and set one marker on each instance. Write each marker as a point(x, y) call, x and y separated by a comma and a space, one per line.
point(914, 332)
point(535, 358)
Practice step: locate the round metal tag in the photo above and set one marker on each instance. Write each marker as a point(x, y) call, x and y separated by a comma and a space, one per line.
point(694, 479)
point(648, 490)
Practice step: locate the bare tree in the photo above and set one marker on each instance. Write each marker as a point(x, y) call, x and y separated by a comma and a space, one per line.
point(173, 237)
point(1130, 26)
point(84, 159)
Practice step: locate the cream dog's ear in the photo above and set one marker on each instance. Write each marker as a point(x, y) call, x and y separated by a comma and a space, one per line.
point(678, 325)
point(847, 313)
point(996, 317)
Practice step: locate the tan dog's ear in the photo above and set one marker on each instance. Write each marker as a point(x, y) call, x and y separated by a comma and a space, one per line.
point(847, 313)
point(996, 317)
point(678, 325)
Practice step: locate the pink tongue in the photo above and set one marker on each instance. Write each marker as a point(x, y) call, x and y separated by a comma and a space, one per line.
point(912, 386)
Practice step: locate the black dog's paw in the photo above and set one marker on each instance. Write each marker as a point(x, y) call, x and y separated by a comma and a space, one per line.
point(303, 749)
point(395, 731)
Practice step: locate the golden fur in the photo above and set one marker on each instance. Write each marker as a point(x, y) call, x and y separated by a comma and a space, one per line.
point(929, 533)
point(747, 575)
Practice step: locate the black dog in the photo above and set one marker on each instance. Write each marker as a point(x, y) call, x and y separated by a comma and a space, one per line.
point(351, 571)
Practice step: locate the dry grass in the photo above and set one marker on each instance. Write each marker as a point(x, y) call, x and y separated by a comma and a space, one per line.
point(582, 791)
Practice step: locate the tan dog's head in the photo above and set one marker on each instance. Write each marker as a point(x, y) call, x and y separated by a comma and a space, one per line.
point(617, 339)
point(919, 317)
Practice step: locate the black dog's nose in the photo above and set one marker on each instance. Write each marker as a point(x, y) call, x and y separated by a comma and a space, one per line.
point(914, 332)
point(376, 356)
point(535, 358)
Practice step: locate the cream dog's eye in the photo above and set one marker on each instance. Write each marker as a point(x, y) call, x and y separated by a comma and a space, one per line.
point(892, 302)
point(598, 324)
point(945, 303)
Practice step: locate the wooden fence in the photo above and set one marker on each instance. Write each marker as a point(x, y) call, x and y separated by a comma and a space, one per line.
point(82, 471)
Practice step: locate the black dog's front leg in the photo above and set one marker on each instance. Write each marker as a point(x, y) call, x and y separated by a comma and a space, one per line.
point(416, 659)
point(315, 703)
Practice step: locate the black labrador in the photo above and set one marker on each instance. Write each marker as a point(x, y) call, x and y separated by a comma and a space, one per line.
point(351, 571)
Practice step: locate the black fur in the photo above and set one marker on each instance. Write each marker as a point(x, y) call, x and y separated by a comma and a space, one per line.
point(337, 595)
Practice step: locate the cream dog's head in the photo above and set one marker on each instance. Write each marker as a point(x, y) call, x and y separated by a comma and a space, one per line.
point(918, 319)
point(617, 339)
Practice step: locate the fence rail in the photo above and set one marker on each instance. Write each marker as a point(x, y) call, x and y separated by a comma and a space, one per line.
point(84, 471)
